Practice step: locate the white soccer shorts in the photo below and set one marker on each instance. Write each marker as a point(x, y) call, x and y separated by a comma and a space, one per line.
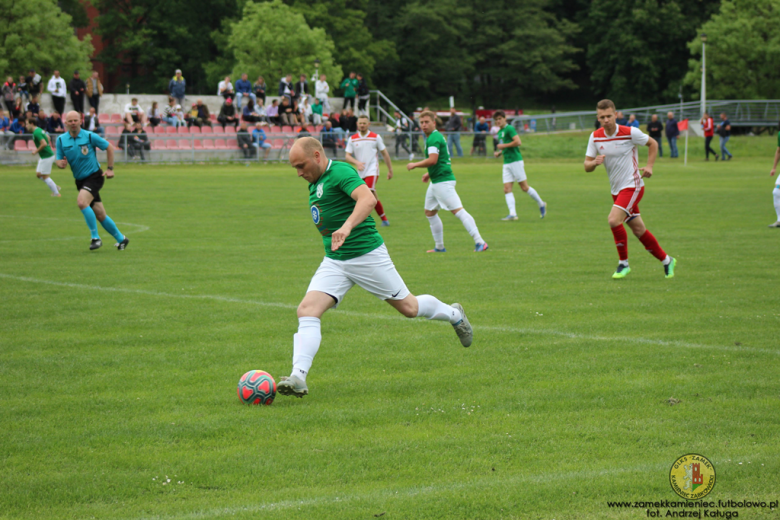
point(514, 172)
point(442, 195)
point(44, 165)
point(373, 271)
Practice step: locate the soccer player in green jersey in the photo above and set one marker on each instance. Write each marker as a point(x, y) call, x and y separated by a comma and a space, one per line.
point(341, 206)
point(514, 166)
point(441, 191)
point(45, 156)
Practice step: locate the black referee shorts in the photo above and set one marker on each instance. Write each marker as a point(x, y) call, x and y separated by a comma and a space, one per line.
point(92, 184)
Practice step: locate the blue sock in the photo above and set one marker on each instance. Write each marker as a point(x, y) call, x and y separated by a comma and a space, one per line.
point(89, 216)
point(109, 226)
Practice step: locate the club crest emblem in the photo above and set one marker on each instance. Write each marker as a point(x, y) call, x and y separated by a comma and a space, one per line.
point(692, 476)
point(319, 190)
point(315, 214)
point(84, 150)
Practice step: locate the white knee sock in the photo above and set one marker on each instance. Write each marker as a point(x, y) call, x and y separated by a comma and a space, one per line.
point(437, 229)
point(52, 186)
point(532, 193)
point(470, 225)
point(305, 346)
point(430, 307)
point(510, 202)
point(776, 195)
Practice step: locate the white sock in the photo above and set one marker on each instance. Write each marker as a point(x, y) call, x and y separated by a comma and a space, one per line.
point(52, 186)
point(667, 260)
point(776, 195)
point(470, 225)
point(510, 202)
point(305, 346)
point(624, 263)
point(437, 229)
point(532, 193)
point(430, 307)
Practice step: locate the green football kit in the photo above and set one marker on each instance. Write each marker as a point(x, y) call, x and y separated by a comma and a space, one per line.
point(442, 170)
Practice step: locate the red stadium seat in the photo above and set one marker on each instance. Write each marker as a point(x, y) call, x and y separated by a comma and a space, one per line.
point(185, 144)
point(115, 144)
point(31, 145)
point(170, 130)
point(218, 130)
point(104, 118)
point(197, 144)
point(113, 130)
point(159, 130)
point(183, 130)
point(213, 117)
point(230, 129)
point(311, 129)
point(159, 144)
point(195, 130)
point(277, 144)
point(208, 144)
point(172, 144)
point(273, 130)
point(232, 143)
point(287, 129)
point(115, 118)
point(20, 146)
point(219, 144)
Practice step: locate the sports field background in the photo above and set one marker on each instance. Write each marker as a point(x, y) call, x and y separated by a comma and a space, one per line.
point(118, 369)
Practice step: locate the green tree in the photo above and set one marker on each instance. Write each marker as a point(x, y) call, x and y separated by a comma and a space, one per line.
point(636, 52)
point(743, 50)
point(273, 39)
point(37, 34)
point(149, 39)
point(344, 21)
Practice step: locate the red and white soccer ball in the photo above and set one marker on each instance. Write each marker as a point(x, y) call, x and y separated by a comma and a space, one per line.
point(256, 387)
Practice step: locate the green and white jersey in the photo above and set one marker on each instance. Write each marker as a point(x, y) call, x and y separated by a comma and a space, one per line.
point(505, 136)
point(441, 171)
point(40, 136)
point(331, 205)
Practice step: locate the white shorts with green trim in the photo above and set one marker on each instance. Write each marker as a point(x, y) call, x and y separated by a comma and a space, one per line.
point(44, 165)
point(514, 172)
point(373, 271)
point(442, 195)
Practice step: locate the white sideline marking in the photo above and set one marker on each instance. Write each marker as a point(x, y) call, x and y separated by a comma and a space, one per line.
point(512, 330)
point(389, 494)
point(140, 229)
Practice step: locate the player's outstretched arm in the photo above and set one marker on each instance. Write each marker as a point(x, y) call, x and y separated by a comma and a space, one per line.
point(777, 159)
point(592, 162)
point(647, 171)
point(365, 202)
point(430, 161)
point(354, 162)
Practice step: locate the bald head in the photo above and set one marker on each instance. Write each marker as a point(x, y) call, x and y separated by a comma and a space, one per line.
point(308, 157)
point(73, 122)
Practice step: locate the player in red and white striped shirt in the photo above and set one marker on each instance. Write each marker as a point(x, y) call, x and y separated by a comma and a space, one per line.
point(615, 146)
point(363, 149)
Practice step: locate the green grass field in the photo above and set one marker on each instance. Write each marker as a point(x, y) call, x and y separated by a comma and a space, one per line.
point(118, 369)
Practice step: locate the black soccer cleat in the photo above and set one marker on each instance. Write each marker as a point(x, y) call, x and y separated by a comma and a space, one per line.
point(123, 244)
point(95, 244)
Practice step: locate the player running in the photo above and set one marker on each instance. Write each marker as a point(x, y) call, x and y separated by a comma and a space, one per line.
point(365, 146)
point(514, 166)
point(441, 191)
point(615, 146)
point(776, 191)
point(45, 156)
point(355, 253)
point(77, 148)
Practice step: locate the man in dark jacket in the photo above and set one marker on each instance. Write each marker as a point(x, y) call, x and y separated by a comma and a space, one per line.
point(77, 87)
point(227, 114)
point(177, 87)
point(454, 128)
point(301, 88)
point(245, 141)
point(655, 130)
point(671, 134)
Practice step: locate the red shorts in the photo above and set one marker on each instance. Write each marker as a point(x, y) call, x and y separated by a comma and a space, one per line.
point(628, 200)
point(371, 182)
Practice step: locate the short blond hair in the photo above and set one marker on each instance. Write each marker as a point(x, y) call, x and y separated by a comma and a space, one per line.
point(429, 114)
point(309, 145)
point(364, 117)
point(604, 104)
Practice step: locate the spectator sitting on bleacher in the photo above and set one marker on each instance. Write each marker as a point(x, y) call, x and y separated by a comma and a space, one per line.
point(54, 124)
point(134, 113)
point(344, 121)
point(301, 88)
point(5, 130)
point(260, 111)
point(227, 114)
point(141, 140)
point(632, 121)
point(42, 121)
point(244, 88)
point(328, 138)
point(131, 141)
point(304, 111)
point(316, 112)
point(286, 87)
point(272, 113)
point(260, 87)
point(155, 115)
point(245, 141)
point(21, 88)
point(259, 138)
point(335, 125)
point(287, 113)
point(225, 88)
point(125, 139)
point(9, 93)
point(34, 84)
point(92, 124)
point(191, 116)
point(620, 119)
point(17, 127)
point(204, 117)
point(351, 122)
point(249, 114)
point(481, 129)
point(33, 106)
point(172, 114)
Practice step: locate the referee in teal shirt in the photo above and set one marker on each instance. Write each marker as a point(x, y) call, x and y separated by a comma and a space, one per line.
point(77, 148)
